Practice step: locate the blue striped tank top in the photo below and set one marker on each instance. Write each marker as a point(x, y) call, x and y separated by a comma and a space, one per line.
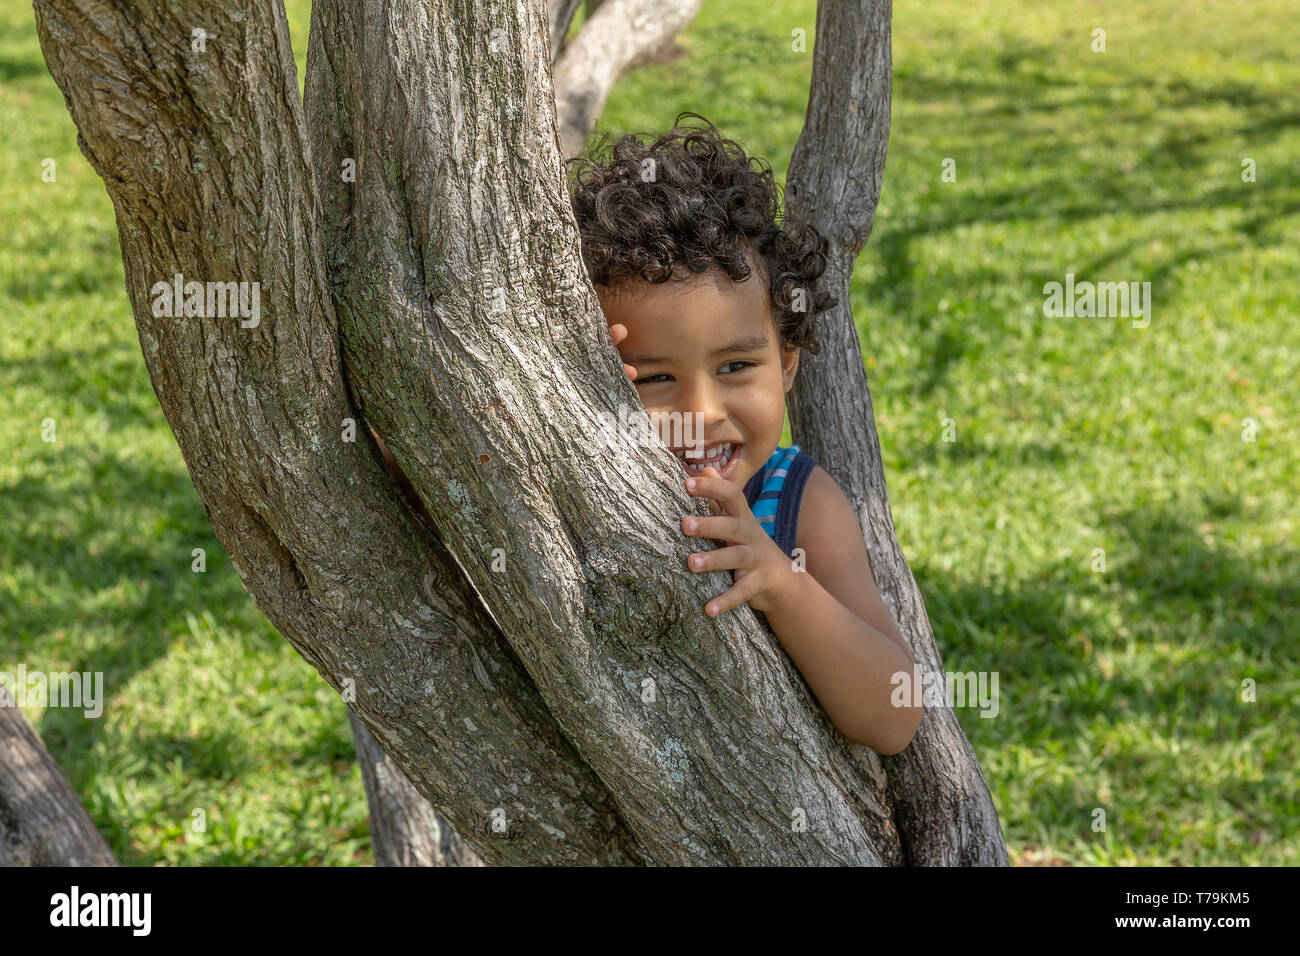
point(775, 491)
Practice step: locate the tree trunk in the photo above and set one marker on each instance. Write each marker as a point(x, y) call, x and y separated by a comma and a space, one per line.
point(616, 42)
point(42, 821)
point(611, 46)
point(457, 242)
point(941, 801)
point(404, 829)
point(537, 663)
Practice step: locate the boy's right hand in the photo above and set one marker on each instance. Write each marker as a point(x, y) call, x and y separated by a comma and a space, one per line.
point(618, 333)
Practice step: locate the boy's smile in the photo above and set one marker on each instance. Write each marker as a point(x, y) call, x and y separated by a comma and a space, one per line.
point(709, 346)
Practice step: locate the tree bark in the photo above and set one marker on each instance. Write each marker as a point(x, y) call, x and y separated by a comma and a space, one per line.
point(42, 821)
point(615, 43)
point(404, 829)
point(941, 801)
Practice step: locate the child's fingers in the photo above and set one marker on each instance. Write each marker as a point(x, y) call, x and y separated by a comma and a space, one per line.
point(740, 592)
point(618, 332)
point(729, 496)
point(719, 527)
point(734, 558)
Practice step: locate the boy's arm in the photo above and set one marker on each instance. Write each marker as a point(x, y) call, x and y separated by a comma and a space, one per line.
point(831, 537)
point(836, 628)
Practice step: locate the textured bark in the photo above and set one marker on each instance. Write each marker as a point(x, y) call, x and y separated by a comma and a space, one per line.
point(42, 821)
point(941, 802)
point(619, 35)
point(624, 37)
point(479, 352)
point(404, 829)
point(204, 156)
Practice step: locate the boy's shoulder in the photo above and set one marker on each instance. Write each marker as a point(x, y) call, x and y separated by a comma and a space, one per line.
point(827, 521)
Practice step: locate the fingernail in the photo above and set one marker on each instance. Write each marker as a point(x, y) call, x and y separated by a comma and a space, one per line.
point(696, 562)
point(690, 524)
point(690, 483)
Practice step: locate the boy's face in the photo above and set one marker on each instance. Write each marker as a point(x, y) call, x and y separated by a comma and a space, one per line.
point(709, 346)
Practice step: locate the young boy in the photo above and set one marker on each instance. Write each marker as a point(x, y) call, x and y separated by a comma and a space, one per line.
point(710, 301)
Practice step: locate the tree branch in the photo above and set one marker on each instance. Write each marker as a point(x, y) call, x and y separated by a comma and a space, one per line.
point(944, 812)
point(561, 14)
point(621, 34)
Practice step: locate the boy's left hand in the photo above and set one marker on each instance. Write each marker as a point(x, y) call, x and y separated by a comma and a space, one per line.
point(764, 574)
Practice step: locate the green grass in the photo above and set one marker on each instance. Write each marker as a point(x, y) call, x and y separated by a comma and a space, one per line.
point(1120, 689)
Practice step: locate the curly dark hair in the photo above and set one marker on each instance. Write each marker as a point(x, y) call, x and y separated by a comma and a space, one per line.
point(706, 205)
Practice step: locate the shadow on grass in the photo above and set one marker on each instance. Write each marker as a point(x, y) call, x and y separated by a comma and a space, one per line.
point(977, 447)
point(1064, 185)
point(1064, 687)
point(1161, 566)
point(12, 70)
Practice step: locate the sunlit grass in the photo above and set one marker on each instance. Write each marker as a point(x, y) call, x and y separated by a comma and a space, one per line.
point(1121, 690)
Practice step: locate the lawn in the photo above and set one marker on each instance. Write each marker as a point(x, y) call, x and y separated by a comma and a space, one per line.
point(1109, 530)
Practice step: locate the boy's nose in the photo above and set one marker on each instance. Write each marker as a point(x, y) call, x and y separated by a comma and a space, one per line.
point(703, 400)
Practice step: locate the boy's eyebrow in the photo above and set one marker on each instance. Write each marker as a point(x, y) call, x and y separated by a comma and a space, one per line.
point(749, 343)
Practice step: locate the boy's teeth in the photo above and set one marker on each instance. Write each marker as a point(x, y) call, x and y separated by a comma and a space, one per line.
point(721, 452)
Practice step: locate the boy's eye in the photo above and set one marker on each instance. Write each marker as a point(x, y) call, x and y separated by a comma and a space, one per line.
point(655, 379)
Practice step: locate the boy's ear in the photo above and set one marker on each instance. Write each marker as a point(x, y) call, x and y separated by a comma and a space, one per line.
point(789, 365)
